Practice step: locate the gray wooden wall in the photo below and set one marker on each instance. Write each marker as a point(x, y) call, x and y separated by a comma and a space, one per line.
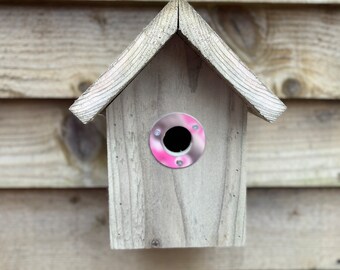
point(51, 52)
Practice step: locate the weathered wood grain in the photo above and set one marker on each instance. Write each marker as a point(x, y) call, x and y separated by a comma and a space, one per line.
point(57, 51)
point(153, 206)
point(300, 149)
point(178, 15)
point(218, 54)
point(294, 51)
point(44, 145)
point(68, 229)
point(125, 68)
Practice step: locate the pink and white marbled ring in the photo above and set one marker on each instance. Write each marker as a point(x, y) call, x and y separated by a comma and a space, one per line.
point(179, 158)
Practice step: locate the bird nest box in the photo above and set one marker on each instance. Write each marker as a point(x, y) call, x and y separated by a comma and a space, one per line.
point(176, 105)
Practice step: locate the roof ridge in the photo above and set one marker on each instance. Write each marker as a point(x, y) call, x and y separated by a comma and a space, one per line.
point(178, 16)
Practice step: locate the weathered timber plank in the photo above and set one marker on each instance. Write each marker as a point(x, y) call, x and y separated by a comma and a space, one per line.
point(294, 51)
point(202, 205)
point(300, 149)
point(68, 229)
point(43, 145)
point(59, 51)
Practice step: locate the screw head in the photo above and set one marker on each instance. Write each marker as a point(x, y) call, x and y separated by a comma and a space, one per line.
point(179, 162)
point(155, 243)
point(195, 127)
point(157, 132)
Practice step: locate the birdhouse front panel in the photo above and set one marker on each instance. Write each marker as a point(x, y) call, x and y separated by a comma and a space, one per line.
point(175, 156)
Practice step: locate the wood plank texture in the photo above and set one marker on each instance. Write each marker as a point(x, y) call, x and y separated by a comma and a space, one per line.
point(68, 229)
point(125, 68)
point(218, 54)
point(200, 206)
point(59, 51)
point(301, 149)
point(43, 145)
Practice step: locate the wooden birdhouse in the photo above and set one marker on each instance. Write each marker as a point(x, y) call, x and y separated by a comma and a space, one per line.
point(176, 105)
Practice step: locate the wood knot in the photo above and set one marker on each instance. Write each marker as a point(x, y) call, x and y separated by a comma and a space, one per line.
point(291, 88)
point(100, 19)
point(238, 26)
point(155, 243)
point(83, 141)
point(324, 115)
point(74, 199)
point(101, 220)
point(83, 86)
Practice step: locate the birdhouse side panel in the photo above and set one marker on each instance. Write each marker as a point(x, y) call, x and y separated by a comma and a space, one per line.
point(153, 205)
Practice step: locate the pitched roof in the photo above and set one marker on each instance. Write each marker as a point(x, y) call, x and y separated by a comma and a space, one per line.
point(178, 16)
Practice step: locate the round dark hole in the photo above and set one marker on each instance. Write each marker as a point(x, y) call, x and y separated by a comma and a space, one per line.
point(177, 139)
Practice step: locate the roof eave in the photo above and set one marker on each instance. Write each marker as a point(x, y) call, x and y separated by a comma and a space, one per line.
point(178, 15)
point(260, 100)
point(127, 66)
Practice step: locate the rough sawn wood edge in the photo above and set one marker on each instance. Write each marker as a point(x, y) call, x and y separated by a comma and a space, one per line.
point(261, 101)
point(126, 67)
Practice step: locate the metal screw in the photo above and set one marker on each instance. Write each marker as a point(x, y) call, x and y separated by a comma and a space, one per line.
point(195, 127)
point(157, 132)
point(155, 243)
point(179, 162)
